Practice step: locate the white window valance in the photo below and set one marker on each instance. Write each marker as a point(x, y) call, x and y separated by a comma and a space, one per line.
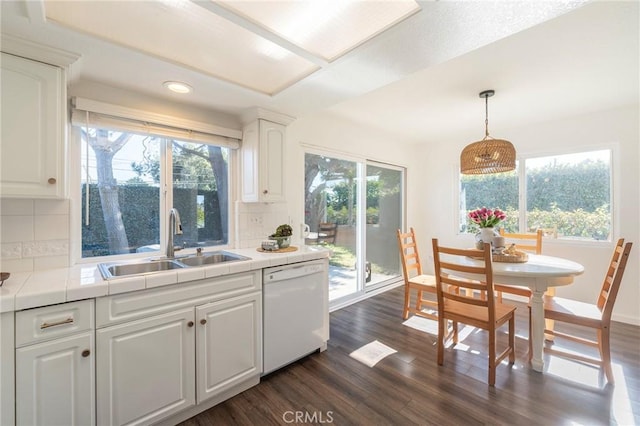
point(114, 117)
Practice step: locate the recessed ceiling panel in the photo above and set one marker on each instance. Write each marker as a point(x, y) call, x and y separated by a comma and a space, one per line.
point(325, 28)
point(186, 34)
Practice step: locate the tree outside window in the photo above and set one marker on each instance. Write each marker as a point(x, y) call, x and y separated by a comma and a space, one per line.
point(121, 195)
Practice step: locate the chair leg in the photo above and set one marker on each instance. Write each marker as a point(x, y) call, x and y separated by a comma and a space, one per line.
point(605, 353)
point(419, 301)
point(530, 337)
point(407, 301)
point(455, 332)
point(492, 358)
point(441, 333)
point(512, 339)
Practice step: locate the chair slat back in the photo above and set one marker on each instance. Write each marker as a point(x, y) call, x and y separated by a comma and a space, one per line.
point(409, 255)
point(611, 284)
point(327, 232)
point(450, 286)
point(529, 242)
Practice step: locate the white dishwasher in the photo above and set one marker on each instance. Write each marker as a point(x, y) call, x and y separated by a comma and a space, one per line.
point(296, 312)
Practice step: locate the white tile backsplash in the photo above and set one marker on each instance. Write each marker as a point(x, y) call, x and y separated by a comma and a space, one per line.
point(45, 248)
point(16, 265)
point(51, 227)
point(256, 221)
point(16, 228)
point(49, 207)
point(34, 234)
point(11, 250)
point(16, 207)
point(50, 262)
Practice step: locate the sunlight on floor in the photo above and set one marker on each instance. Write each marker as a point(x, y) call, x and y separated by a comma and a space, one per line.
point(593, 377)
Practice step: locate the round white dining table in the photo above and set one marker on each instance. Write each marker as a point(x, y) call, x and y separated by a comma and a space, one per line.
point(538, 273)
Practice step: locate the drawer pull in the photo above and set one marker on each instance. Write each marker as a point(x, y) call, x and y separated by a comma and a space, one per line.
point(53, 324)
point(203, 321)
point(86, 353)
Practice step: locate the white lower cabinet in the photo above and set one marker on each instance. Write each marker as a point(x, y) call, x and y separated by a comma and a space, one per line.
point(55, 365)
point(146, 369)
point(202, 347)
point(228, 343)
point(55, 384)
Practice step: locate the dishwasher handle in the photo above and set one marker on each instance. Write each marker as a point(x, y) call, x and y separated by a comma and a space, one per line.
point(291, 273)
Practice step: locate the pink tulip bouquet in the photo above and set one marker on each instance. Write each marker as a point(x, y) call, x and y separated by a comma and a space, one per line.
point(487, 218)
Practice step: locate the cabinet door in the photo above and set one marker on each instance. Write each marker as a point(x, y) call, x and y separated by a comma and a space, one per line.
point(55, 382)
point(262, 162)
point(272, 139)
point(146, 369)
point(229, 343)
point(32, 143)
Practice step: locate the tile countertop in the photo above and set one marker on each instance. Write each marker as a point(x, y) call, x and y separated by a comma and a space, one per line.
point(24, 290)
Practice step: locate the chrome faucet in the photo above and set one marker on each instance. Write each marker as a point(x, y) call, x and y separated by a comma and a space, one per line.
point(175, 228)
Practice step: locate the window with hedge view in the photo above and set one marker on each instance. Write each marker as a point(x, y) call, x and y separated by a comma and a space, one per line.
point(123, 175)
point(568, 196)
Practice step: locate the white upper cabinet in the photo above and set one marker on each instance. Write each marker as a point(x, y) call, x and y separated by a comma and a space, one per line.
point(262, 158)
point(32, 147)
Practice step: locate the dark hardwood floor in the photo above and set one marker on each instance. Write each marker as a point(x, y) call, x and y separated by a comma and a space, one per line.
point(409, 387)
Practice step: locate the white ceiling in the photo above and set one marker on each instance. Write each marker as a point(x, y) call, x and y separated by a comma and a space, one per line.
point(420, 79)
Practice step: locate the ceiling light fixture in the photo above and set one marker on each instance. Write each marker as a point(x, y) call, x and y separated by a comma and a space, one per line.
point(488, 155)
point(178, 87)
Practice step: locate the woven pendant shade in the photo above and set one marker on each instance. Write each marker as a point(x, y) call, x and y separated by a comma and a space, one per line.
point(488, 155)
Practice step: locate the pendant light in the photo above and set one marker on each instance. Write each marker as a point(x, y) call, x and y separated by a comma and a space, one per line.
point(488, 155)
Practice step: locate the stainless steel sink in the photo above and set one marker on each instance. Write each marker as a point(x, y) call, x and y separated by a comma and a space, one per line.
point(113, 270)
point(211, 258)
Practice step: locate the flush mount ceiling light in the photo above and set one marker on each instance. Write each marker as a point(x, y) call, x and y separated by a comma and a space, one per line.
point(488, 155)
point(178, 87)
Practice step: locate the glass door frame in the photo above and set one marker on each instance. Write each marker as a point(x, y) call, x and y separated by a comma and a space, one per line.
point(363, 224)
point(362, 290)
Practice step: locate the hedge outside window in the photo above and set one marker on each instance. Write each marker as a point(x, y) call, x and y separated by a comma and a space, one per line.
point(568, 195)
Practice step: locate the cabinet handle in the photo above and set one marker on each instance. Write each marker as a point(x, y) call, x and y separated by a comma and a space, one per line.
point(86, 353)
point(266, 191)
point(190, 324)
point(53, 324)
point(52, 180)
point(203, 321)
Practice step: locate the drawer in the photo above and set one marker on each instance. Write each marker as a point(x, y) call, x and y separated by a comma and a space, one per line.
point(145, 303)
point(51, 322)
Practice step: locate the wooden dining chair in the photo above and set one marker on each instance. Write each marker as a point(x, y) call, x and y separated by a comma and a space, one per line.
point(595, 316)
point(528, 242)
point(414, 279)
point(457, 305)
point(327, 232)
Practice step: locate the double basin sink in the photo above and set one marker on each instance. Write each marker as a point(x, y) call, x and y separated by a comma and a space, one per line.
point(121, 269)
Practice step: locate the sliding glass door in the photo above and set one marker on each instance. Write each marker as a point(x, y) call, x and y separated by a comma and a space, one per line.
point(354, 208)
point(383, 219)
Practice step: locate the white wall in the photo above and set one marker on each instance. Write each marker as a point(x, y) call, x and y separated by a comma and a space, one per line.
point(616, 128)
